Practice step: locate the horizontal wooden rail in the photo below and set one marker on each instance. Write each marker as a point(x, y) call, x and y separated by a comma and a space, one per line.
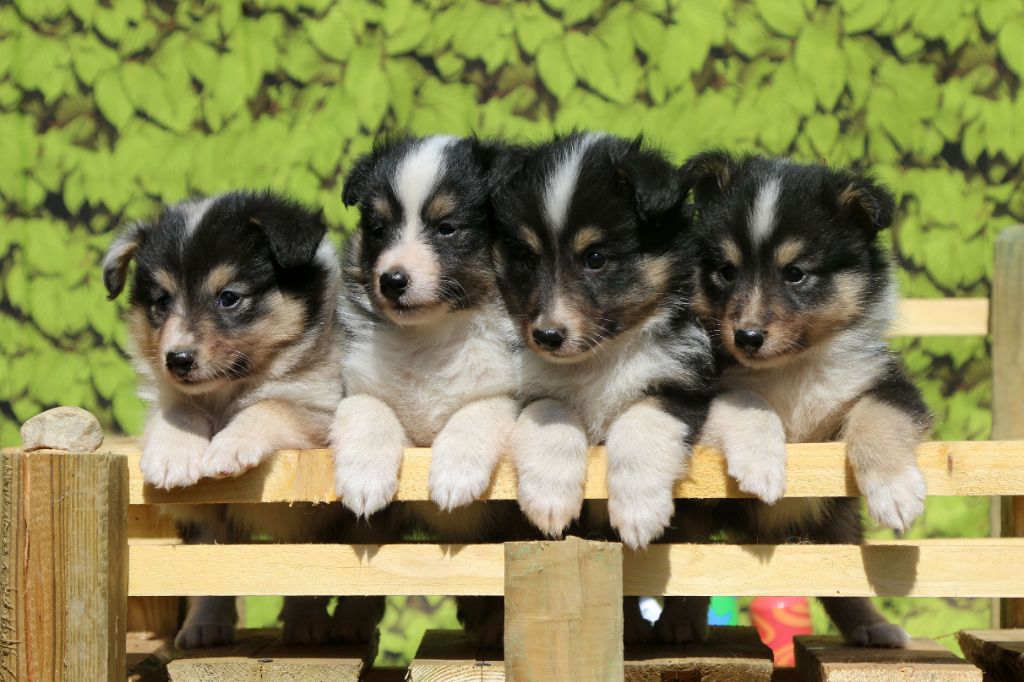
point(967, 468)
point(943, 317)
point(922, 568)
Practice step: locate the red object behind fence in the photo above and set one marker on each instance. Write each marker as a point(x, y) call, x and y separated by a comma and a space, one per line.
point(777, 620)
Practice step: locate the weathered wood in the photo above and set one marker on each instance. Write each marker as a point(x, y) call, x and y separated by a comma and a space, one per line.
point(152, 616)
point(1008, 379)
point(563, 610)
point(913, 568)
point(1000, 653)
point(148, 657)
point(826, 659)
point(731, 654)
point(259, 656)
point(942, 317)
point(64, 580)
point(451, 656)
point(815, 470)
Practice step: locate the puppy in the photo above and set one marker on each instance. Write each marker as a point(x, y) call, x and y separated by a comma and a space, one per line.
point(233, 321)
point(430, 354)
point(797, 293)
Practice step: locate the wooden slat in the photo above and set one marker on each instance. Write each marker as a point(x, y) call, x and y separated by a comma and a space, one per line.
point(826, 659)
point(730, 654)
point(451, 656)
point(961, 468)
point(918, 568)
point(1000, 653)
point(942, 317)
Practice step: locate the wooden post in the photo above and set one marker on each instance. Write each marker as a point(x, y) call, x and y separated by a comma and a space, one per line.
point(1008, 379)
point(563, 610)
point(63, 548)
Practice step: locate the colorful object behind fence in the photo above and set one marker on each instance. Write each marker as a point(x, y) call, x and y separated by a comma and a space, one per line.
point(723, 611)
point(777, 620)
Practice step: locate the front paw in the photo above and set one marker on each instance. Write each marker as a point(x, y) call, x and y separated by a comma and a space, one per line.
point(364, 490)
point(232, 456)
point(355, 619)
point(172, 461)
point(896, 502)
point(642, 517)
point(759, 470)
point(683, 620)
point(305, 620)
point(879, 635)
point(458, 471)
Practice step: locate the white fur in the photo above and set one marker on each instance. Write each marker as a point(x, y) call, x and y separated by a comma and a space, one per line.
point(549, 447)
point(368, 441)
point(416, 176)
point(762, 215)
point(647, 453)
point(173, 447)
point(194, 211)
point(896, 500)
point(562, 182)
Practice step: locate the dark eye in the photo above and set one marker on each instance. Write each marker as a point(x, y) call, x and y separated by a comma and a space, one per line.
point(728, 272)
point(160, 303)
point(228, 299)
point(594, 260)
point(445, 229)
point(793, 274)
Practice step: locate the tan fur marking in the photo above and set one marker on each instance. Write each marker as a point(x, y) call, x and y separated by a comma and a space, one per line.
point(382, 207)
point(732, 253)
point(788, 251)
point(166, 282)
point(440, 207)
point(585, 238)
point(218, 278)
point(530, 238)
point(850, 196)
point(881, 438)
point(657, 272)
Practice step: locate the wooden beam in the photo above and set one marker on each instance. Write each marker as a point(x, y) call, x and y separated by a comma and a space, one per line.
point(451, 656)
point(64, 580)
point(964, 468)
point(942, 317)
point(1000, 653)
point(1008, 379)
point(911, 568)
point(730, 654)
point(563, 610)
point(827, 659)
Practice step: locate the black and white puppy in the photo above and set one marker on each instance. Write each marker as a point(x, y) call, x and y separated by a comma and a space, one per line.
point(797, 292)
point(596, 270)
point(236, 337)
point(430, 355)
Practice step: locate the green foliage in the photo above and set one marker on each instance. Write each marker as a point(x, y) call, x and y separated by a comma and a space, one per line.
point(109, 109)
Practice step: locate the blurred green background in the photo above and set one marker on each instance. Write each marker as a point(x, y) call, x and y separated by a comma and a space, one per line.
point(110, 108)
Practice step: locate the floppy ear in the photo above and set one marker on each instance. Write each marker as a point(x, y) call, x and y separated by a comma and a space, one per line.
point(118, 256)
point(293, 231)
point(500, 162)
point(653, 180)
point(354, 189)
point(708, 174)
point(863, 199)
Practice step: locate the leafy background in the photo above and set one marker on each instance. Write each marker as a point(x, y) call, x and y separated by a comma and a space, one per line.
point(109, 109)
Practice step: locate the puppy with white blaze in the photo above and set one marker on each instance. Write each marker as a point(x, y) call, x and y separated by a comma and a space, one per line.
point(796, 290)
point(430, 355)
point(235, 334)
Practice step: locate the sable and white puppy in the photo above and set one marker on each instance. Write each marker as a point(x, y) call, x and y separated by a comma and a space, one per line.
point(796, 290)
point(235, 333)
point(597, 273)
point(430, 354)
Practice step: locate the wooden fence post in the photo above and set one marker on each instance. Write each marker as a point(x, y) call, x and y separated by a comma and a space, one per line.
point(1008, 379)
point(64, 578)
point(563, 610)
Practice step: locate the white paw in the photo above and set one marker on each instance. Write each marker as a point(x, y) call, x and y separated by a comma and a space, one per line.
point(355, 619)
point(306, 622)
point(459, 473)
point(881, 635)
point(759, 471)
point(367, 442)
point(172, 460)
point(232, 456)
point(896, 502)
point(642, 516)
point(365, 489)
point(194, 635)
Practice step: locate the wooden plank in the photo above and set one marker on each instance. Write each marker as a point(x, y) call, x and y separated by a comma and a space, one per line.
point(731, 654)
point(451, 656)
point(827, 659)
point(563, 610)
point(1008, 380)
point(64, 577)
point(147, 657)
point(913, 568)
point(259, 656)
point(815, 470)
point(942, 317)
point(152, 616)
point(1000, 653)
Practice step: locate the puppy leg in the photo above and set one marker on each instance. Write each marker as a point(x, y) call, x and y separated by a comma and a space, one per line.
point(209, 620)
point(174, 444)
point(368, 441)
point(635, 628)
point(255, 433)
point(751, 436)
point(549, 446)
point(356, 618)
point(305, 620)
point(467, 450)
point(484, 618)
point(682, 620)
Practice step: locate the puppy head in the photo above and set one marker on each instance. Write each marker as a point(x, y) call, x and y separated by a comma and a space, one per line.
point(221, 286)
point(588, 229)
point(422, 248)
point(788, 252)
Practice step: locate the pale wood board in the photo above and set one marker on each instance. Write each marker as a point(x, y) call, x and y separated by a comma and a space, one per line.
point(913, 568)
point(451, 656)
point(942, 317)
point(827, 659)
point(63, 582)
point(1000, 653)
point(731, 654)
point(814, 470)
point(157, 616)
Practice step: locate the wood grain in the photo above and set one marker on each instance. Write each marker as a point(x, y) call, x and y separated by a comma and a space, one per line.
point(451, 656)
point(731, 654)
point(1000, 653)
point(826, 659)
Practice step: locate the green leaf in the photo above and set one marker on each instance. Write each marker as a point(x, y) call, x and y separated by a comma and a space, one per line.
point(201, 59)
point(90, 57)
point(408, 36)
point(332, 35)
point(1011, 44)
point(819, 57)
point(533, 26)
point(578, 11)
point(554, 68)
point(782, 16)
point(112, 100)
point(365, 82)
point(682, 54)
point(994, 14)
point(85, 10)
point(823, 132)
point(863, 15)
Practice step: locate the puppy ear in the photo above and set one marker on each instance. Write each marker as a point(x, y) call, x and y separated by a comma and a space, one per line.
point(862, 199)
point(118, 256)
point(354, 189)
point(501, 163)
point(708, 174)
point(653, 180)
point(293, 231)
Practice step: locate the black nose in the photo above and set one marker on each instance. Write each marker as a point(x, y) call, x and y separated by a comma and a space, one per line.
point(180, 362)
point(749, 339)
point(550, 338)
point(393, 284)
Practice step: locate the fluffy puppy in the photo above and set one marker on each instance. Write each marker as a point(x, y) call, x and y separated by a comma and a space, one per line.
point(235, 334)
point(430, 354)
point(796, 290)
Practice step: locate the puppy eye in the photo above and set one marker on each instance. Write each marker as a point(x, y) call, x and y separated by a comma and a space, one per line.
point(161, 303)
point(228, 299)
point(793, 274)
point(594, 260)
point(445, 229)
point(728, 272)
